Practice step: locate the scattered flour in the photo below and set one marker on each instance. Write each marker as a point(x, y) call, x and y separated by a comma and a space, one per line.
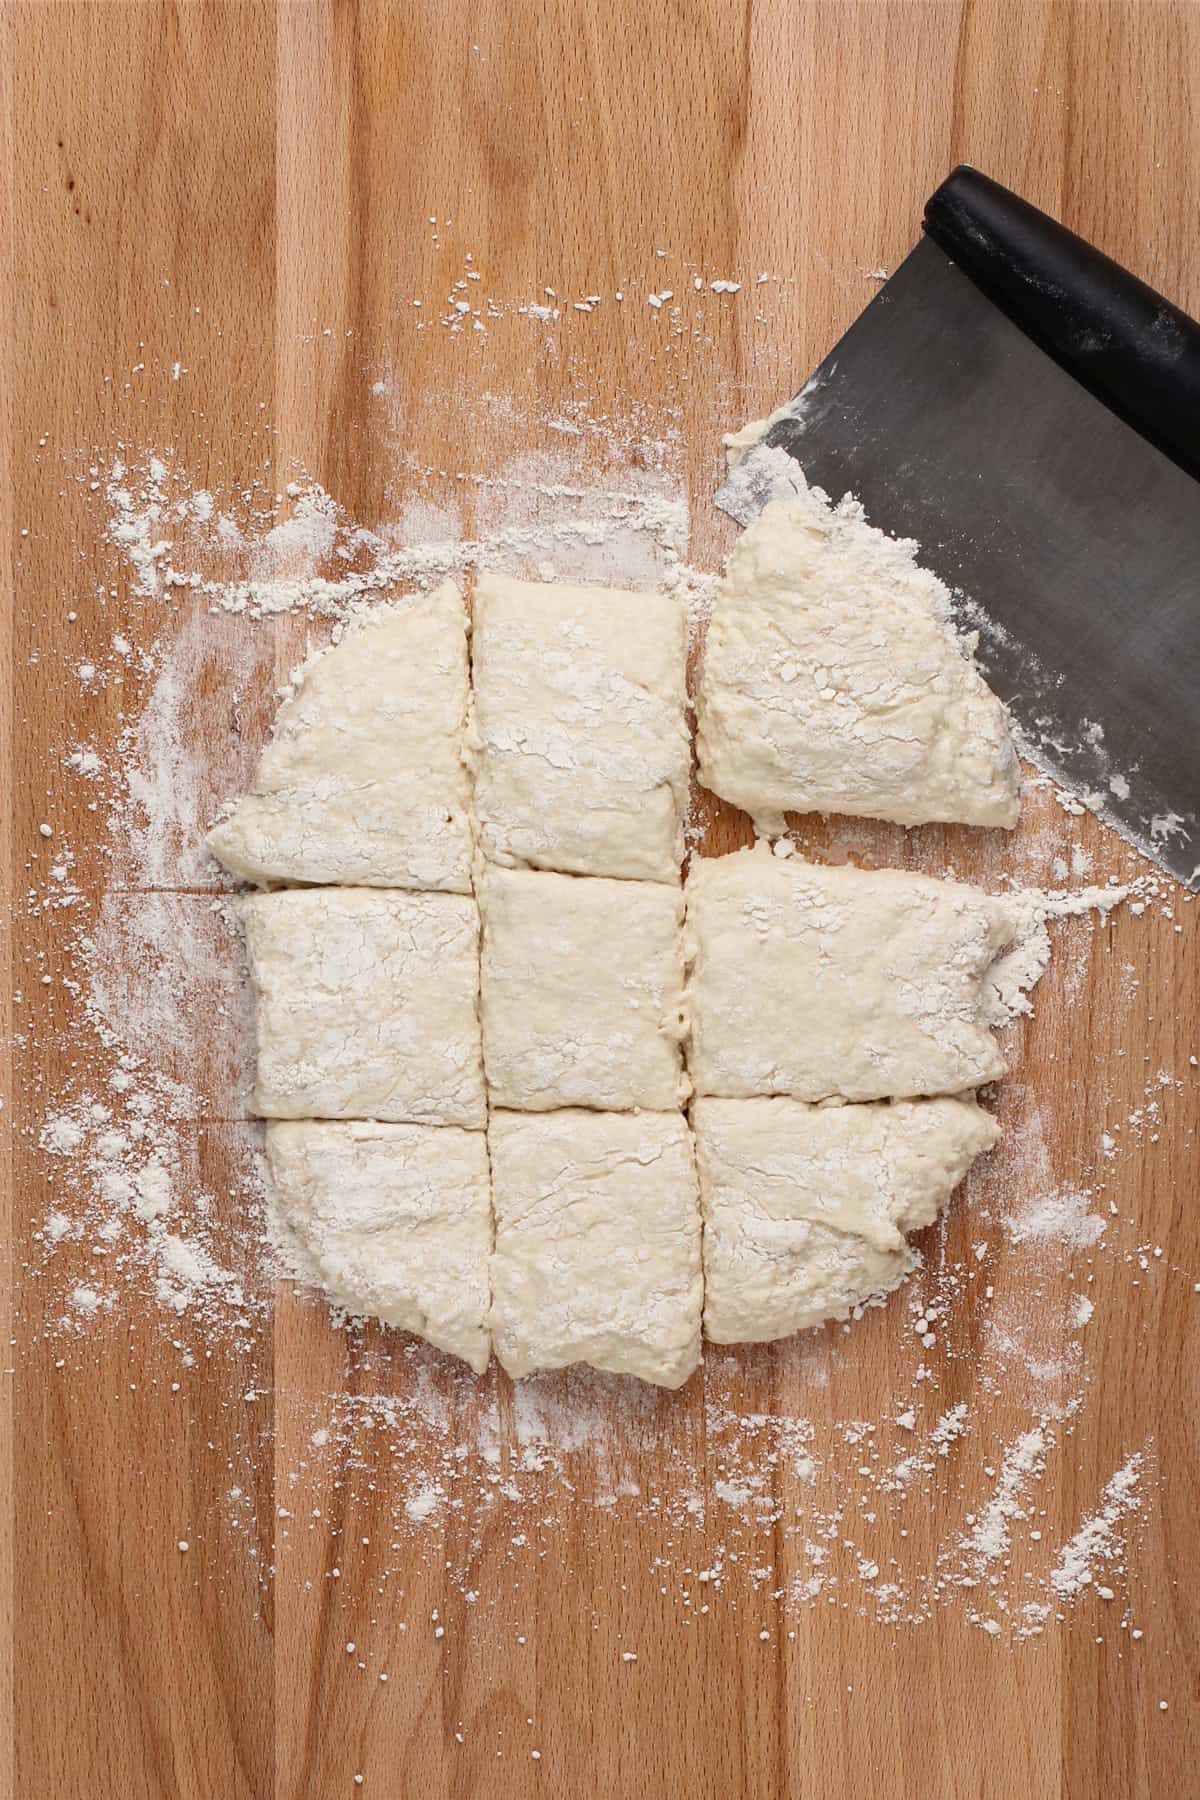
point(423, 1504)
point(315, 559)
point(1097, 1539)
point(1061, 1218)
point(991, 1535)
point(1019, 970)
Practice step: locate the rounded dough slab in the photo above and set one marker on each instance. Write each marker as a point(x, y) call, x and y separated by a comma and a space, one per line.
point(820, 982)
point(367, 1005)
point(597, 1256)
point(397, 1220)
point(582, 991)
point(363, 783)
point(805, 1207)
point(580, 741)
point(832, 682)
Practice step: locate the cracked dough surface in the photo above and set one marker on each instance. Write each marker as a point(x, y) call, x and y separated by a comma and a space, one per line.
point(366, 1005)
point(831, 684)
point(806, 1207)
point(363, 782)
point(582, 991)
point(597, 1255)
point(818, 982)
point(581, 751)
point(397, 1220)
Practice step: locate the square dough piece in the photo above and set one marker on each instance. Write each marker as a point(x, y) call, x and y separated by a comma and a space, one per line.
point(363, 783)
point(819, 982)
point(397, 1220)
point(833, 681)
point(582, 991)
point(367, 1005)
point(597, 1255)
point(805, 1207)
point(581, 748)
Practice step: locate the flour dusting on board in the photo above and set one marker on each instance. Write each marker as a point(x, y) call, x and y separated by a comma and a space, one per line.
point(157, 1207)
point(531, 520)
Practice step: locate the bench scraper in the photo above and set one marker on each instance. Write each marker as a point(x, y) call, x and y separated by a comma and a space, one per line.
point(1029, 412)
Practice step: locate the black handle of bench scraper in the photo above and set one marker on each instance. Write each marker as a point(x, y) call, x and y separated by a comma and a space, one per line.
point(1127, 345)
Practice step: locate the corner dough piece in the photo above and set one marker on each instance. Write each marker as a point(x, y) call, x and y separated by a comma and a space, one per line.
point(834, 681)
point(597, 1255)
point(582, 992)
point(819, 982)
point(805, 1207)
point(397, 1220)
point(367, 1005)
point(581, 749)
point(363, 783)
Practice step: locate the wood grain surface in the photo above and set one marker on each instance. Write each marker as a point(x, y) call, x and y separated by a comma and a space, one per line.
point(247, 188)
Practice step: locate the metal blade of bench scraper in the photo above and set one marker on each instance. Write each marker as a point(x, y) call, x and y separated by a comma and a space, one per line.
point(1073, 543)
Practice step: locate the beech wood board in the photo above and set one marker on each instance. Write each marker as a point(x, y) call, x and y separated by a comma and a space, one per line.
point(247, 187)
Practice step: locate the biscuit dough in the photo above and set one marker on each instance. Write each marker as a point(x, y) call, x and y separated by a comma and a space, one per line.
point(832, 683)
point(806, 1207)
point(582, 991)
point(597, 1254)
point(819, 982)
point(580, 741)
point(397, 1220)
point(363, 782)
point(367, 1005)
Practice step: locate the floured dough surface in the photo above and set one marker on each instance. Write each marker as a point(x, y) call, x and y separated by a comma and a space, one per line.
point(818, 982)
point(597, 1255)
point(806, 1207)
point(581, 749)
point(582, 991)
point(833, 681)
point(366, 1005)
point(402, 961)
point(397, 1220)
point(363, 782)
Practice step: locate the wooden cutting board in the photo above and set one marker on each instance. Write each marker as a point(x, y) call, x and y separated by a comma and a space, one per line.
point(260, 192)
